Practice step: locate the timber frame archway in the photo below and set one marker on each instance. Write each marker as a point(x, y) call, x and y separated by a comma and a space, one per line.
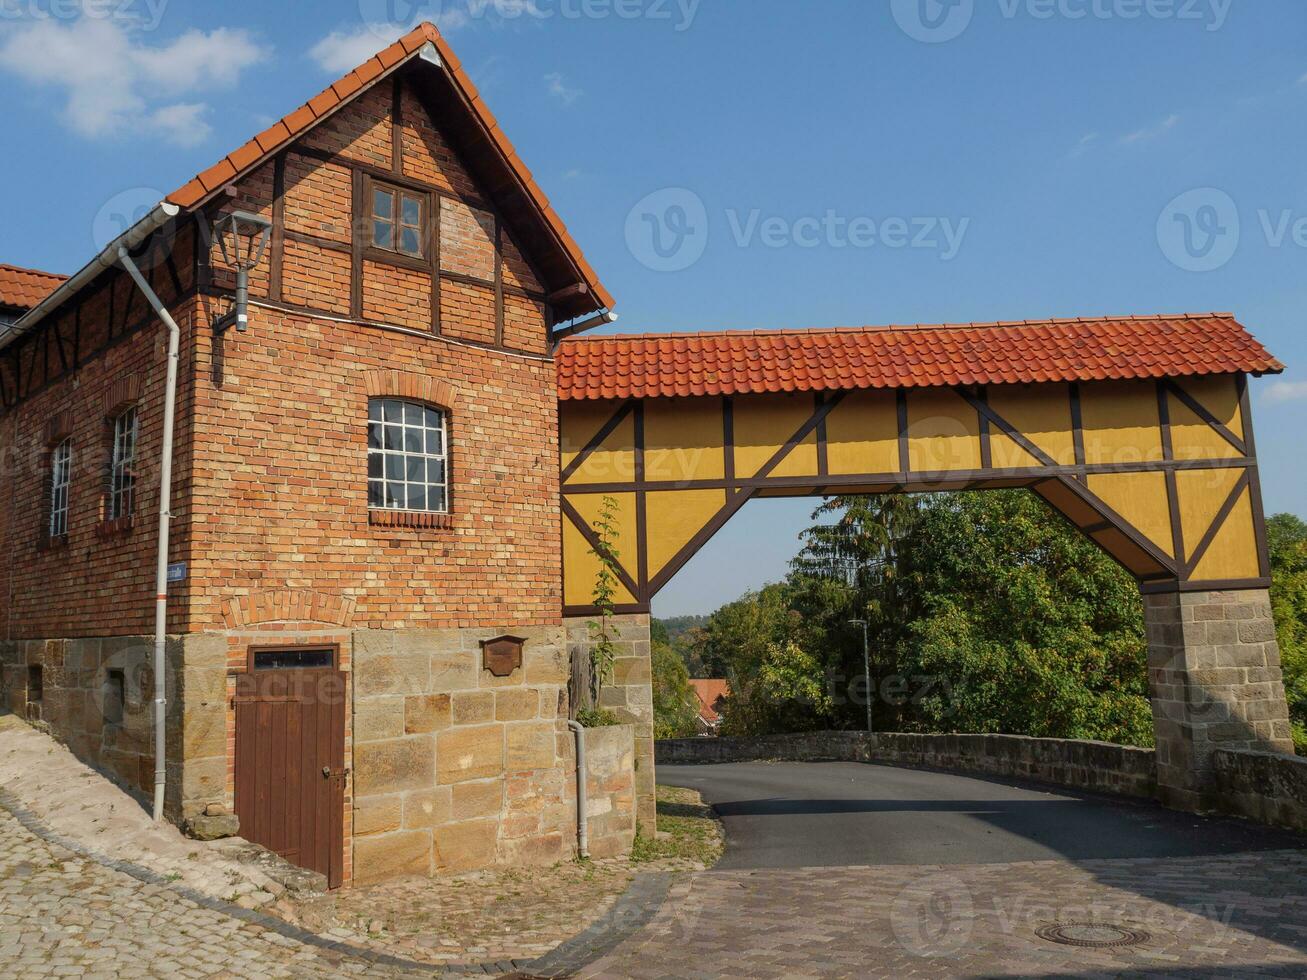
point(1137, 430)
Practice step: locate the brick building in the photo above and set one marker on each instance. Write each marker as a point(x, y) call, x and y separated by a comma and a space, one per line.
point(364, 491)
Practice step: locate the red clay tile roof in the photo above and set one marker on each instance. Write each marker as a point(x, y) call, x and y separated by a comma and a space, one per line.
point(257, 150)
point(24, 288)
point(733, 362)
point(709, 692)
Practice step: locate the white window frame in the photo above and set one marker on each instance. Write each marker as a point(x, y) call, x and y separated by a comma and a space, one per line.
point(61, 468)
point(122, 478)
point(403, 455)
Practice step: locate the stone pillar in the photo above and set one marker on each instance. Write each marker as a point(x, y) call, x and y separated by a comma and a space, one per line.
point(630, 695)
point(1215, 682)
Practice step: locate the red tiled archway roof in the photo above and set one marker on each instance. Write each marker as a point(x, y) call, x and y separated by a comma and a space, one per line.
point(23, 288)
point(734, 362)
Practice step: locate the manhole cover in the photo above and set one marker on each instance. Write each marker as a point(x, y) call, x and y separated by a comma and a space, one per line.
point(1091, 935)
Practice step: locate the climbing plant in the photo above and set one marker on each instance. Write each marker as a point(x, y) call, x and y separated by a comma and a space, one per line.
point(603, 633)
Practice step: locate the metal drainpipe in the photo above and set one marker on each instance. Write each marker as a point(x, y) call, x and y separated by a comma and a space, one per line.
point(582, 818)
point(165, 516)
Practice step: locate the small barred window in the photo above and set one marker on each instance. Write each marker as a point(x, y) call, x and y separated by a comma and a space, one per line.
point(61, 466)
point(122, 476)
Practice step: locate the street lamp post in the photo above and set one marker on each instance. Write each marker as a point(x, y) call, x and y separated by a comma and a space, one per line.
point(866, 666)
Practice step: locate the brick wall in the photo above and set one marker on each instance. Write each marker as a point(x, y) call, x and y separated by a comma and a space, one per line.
point(270, 494)
point(99, 580)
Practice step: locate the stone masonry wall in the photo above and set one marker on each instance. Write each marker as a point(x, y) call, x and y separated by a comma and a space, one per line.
point(1215, 682)
point(75, 677)
point(629, 695)
point(1096, 766)
point(1265, 786)
point(455, 769)
point(610, 788)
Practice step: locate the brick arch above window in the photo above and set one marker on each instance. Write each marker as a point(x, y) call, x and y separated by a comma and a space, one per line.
point(409, 384)
point(287, 606)
point(122, 393)
point(58, 428)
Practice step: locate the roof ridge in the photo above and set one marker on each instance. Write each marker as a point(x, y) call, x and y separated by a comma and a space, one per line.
point(885, 328)
point(294, 124)
point(33, 272)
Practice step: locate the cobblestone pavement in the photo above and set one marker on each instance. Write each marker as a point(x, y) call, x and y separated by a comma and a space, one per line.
point(80, 804)
point(1237, 916)
point(62, 915)
point(488, 916)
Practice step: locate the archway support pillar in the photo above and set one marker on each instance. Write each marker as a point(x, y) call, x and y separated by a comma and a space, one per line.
point(1215, 683)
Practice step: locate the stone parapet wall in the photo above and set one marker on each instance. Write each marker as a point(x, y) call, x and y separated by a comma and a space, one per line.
point(1268, 787)
point(610, 789)
point(1095, 766)
point(629, 695)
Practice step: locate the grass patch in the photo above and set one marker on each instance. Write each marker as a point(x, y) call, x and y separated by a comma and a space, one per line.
point(689, 835)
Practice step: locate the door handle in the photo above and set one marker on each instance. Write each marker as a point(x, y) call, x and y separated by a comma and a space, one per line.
point(328, 772)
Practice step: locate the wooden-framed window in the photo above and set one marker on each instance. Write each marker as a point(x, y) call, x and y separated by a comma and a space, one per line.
point(398, 217)
point(324, 657)
point(122, 476)
point(408, 457)
point(61, 468)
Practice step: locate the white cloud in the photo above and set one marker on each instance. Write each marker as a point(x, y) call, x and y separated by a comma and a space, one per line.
point(116, 84)
point(560, 90)
point(1086, 141)
point(1286, 391)
point(344, 50)
point(183, 123)
point(1149, 132)
point(1303, 80)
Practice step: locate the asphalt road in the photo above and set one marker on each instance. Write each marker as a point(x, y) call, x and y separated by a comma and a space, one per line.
point(841, 814)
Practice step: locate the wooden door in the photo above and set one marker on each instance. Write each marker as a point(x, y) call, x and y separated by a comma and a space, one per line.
point(290, 758)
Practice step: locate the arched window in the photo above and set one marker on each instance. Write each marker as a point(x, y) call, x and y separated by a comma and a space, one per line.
point(407, 454)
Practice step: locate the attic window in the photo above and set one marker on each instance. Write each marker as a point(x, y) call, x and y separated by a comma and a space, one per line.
point(397, 220)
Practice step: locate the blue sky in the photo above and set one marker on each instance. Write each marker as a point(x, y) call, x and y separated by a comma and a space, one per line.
point(1032, 149)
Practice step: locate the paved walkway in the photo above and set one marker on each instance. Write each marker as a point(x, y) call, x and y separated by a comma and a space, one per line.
point(958, 877)
point(1237, 916)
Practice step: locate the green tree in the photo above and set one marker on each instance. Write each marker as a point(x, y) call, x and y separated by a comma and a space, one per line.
point(1287, 539)
point(1017, 623)
point(987, 612)
point(675, 704)
point(776, 684)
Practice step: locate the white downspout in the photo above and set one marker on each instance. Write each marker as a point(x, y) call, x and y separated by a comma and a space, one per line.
point(582, 800)
point(165, 516)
